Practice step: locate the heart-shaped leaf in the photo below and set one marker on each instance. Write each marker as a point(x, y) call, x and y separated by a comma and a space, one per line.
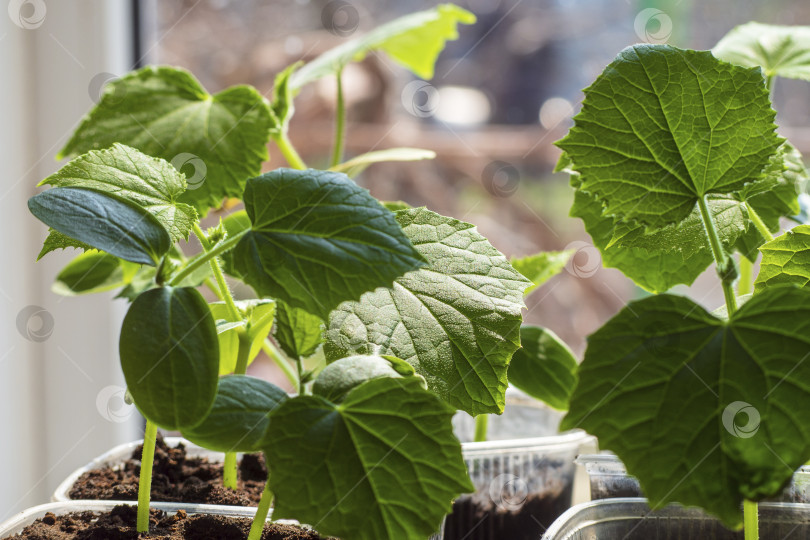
point(662, 127)
point(92, 272)
point(165, 112)
point(317, 239)
point(541, 267)
point(240, 415)
point(170, 356)
point(785, 259)
point(544, 367)
point(413, 41)
point(103, 222)
point(259, 316)
point(701, 409)
point(298, 333)
point(382, 464)
point(456, 321)
point(781, 51)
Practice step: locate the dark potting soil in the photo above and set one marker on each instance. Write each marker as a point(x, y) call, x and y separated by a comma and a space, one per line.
point(176, 477)
point(474, 520)
point(119, 524)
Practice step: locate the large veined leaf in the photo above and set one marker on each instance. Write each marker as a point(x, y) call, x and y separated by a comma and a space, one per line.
point(165, 112)
point(149, 182)
point(259, 315)
point(317, 239)
point(170, 356)
point(544, 367)
point(457, 321)
point(298, 332)
point(93, 271)
point(785, 259)
point(337, 379)
point(541, 267)
point(382, 464)
point(103, 222)
point(781, 51)
point(413, 41)
point(701, 409)
point(239, 418)
point(662, 127)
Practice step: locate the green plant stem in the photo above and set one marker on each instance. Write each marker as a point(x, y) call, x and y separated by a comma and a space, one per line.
point(751, 520)
point(299, 366)
point(275, 355)
point(266, 501)
point(288, 151)
point(340, 122)
point(243, 354)
point(759, 224)
point(481, 424)
point(745, 285)
point(145, 479)
point(720, 257)
point(225, 291)
point(206, 256)
point(229, 471)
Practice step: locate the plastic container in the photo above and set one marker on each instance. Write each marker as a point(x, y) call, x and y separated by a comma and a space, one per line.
point(632, 519)
point(116, 457)
point(608, 479)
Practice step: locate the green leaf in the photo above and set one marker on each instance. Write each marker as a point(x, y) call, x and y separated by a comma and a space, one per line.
point(283, 105)
point(92, 272)
point(456, 321)
point(166, 113)
point(144, 278)
point(317, 239)
point(358, 164)
point(257, 323)
point(127, 173)
point(297, 332)
point(661, 127)
point(239, 419)
point(339, 378)
point(382, 464)
point(541, 267)
point(103, 222)
point(170, 356)
point(56, 240)
point(703, 411)
point(234, 224)
point(781, 51)
point(396, 206)
point(544, 367)
point(785, 259)
point(414, 41)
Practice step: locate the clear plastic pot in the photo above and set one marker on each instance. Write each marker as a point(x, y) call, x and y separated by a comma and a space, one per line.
point(632, 519)
point(116, 457)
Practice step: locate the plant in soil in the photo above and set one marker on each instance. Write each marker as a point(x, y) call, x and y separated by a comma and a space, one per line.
point(419, 314)
point(676, 164)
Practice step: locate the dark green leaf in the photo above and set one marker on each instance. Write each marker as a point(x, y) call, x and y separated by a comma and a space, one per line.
point(92, 272)
point(240, 416)
point(170, 356)
point(165, 112)
point(544, 367)
point(317, 239)
point(382, 464)
point(457, 321)
point(104, 222)
point(782, 51)
point(234, 224)
point(702, 410)
point(339, 378)
point(298, 333)
point(541, 267)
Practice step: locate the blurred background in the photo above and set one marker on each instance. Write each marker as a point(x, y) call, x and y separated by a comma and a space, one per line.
point(502, 94)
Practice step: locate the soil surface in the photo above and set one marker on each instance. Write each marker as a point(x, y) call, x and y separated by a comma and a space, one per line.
point(175, 478)
point(119, 524)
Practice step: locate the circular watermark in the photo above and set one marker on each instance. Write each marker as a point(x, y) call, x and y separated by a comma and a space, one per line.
point(27, 14)
point(508, 492)
point(114, 405)
point(501, 179)
point(749, 425)
point(586, 260)
point(420, 98)
point(653, 26)
point(340, 18)
point(35, 323)
point(98, 88)
point(185, 160)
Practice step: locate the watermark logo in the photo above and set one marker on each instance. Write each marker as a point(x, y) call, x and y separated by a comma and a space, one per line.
point(340, 18)
point(183, 161)
point(586, 260)
point(114, 405)
point(420, 98)
point(508, 492)
point(653, 26)
point(98, 88)
point(35, 323)
point(741, 419)
point(27, 14)
point(501, 179)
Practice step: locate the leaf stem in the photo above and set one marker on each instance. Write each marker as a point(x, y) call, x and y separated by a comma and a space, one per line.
point(288, 151)
point(340, 122)
point(744, 286)
point(243, 353)
point(257, 527)
point(229, 471)
point(726, 268)
point(206, 256)
point(751, 520)
point(758, 223)
point(225, 291)
point(481, 424)
point(145, 479)
point(275, 355)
